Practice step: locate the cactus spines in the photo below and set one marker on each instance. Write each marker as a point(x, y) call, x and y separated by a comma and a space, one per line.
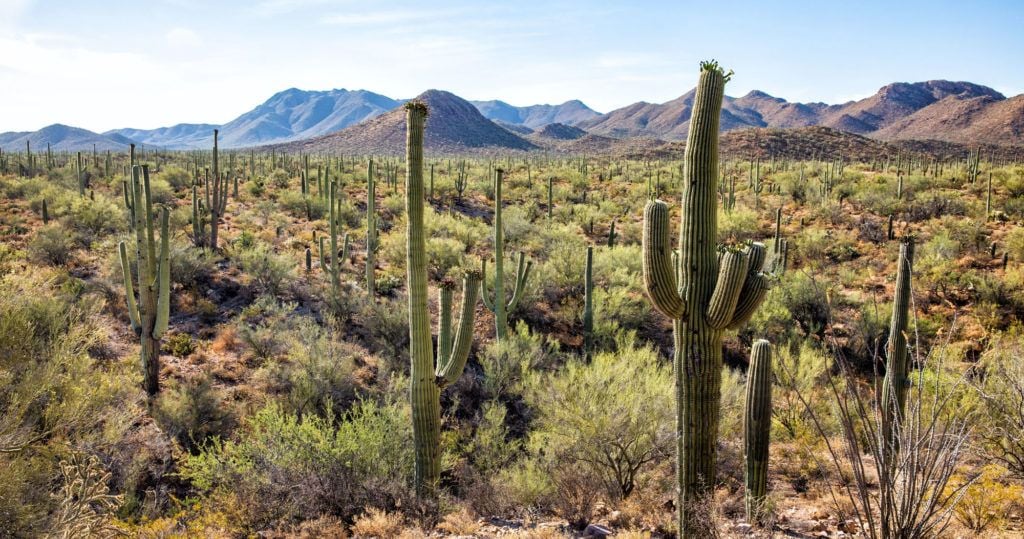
point(149, 316)
point(499, 306)
point(702, 296)
point(757, 422)
point(426, 378)
point(897, 354)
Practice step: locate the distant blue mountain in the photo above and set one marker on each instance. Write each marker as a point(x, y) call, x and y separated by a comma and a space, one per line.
point(536, 116)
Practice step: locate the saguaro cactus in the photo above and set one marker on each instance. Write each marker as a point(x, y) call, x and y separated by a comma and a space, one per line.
point(704, 292)
point(371, 231)
point(331, 263)
point(588, 304)
point(499, 306)
point(426, 378)
point(897, 365)
point(217, 198)
point(757, 422)
point(149, 316)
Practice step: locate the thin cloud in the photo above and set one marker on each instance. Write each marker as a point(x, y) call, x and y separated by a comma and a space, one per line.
point(183, 38)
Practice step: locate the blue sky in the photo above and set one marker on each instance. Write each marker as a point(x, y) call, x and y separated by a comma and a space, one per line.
point(110, 63)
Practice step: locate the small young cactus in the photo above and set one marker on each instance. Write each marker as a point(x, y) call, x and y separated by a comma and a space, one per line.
point(757, 423)
point(897, 353)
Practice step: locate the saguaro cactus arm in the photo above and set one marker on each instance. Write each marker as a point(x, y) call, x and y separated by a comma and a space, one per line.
point(451, 365)
point(129, 289)
point(163, 300)
point(659, 264)
point(732, 273)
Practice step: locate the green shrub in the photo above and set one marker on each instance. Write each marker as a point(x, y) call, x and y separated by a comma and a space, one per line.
point(613, 416)
point(180, 345)
point(316, 376)
point(177, 177)
point(89, 220)
point(192, 412)
point(270, 272)
point(51, 245)
point(285, 467)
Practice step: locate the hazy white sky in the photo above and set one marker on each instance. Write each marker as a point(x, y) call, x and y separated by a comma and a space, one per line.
point(110, 63)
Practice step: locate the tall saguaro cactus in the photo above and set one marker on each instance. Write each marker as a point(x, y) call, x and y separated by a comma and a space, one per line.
point(706, 291)
point(426, 378)
point(588, 304)
point(371, 230)
point(897, 365)
point(217, 197)
point(331, 263)
point(757, 423)
point(499, 306)
point(150, 315)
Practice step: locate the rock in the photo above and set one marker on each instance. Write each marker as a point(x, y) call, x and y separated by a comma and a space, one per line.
point(615, 518)
point(596, 530)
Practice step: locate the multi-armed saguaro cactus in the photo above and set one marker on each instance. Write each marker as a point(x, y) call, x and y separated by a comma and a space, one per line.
point(217, 197)
point(757, 422)
point(371, 230)
point(427, 378)
point(897, 365)
point(705, 291)
point(330, 263)
point(149, 316)
point(499, 306)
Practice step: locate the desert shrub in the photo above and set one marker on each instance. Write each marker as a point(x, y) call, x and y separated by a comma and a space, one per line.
point(191, 267)
point(933, 204)
point(53, 395)
point(740, 224)
point(193, 411)
point(732, 396)
point(264, 325)
point(1015, 244)
point(806, 301)
point(377, 523)
point(771, 318)
point(617, 433)
point(799, 374)
point(386, 324)
point(89, 220)
point(506, 363)
point(1001, 392)
point(280, 178)
point(180, 345)
point(161, 192)
point(317, 374)
point(270, 272)
point(284, 467)
point(295, 204)
point(256, 188)
point(177, 177)
point(988, 499)
point(51, 245)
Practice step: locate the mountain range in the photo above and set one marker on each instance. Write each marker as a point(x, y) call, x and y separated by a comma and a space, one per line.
point(956, 112)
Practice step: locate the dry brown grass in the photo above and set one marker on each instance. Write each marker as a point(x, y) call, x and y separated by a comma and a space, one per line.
point(375, 523)
point(461, 522)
